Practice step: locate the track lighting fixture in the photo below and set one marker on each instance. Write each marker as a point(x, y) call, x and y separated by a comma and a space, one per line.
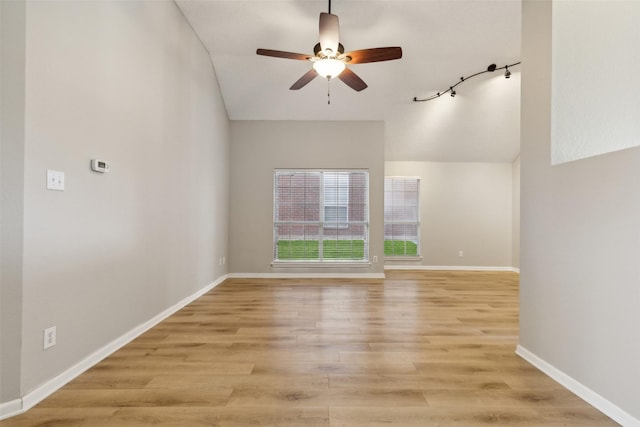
point(490, 69)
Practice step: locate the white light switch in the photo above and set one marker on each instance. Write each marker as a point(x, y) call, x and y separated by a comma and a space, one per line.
point(55, 180)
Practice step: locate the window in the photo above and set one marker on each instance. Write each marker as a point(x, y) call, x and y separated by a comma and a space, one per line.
point(321, 216)
point(336, 198)
point(401, 216)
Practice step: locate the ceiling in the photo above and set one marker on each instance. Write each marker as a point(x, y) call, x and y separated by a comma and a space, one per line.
point(442, 40)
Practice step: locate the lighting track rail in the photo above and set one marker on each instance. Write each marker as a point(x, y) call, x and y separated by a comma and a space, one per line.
point(490, 69)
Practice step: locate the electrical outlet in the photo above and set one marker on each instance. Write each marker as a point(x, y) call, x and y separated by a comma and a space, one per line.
point(49, 337)
point(460, 254)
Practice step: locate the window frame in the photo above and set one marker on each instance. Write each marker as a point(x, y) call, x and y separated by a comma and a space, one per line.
point(416, 223)
point(322, 225)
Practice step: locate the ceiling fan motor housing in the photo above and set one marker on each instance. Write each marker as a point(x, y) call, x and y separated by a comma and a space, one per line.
point(317, 50)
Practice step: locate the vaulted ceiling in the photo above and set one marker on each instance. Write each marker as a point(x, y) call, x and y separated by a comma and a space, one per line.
point(442, 40)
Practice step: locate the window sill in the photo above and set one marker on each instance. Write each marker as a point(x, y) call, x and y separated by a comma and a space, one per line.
point(321, 264)
point(417, 258)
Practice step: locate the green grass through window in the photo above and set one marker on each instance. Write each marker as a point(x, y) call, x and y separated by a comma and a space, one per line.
point(309, 249)
point(400, 248)
point(340, 249)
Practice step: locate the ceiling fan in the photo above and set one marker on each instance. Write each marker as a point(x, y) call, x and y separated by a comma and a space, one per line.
point(329, 58)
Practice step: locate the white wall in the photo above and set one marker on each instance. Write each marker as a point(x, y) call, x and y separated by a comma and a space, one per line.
point(128, 82)
point(593, 63)
point(515, 225)
point(580, 276)
point(483, 119)
point(463, 207)
point(259, 147)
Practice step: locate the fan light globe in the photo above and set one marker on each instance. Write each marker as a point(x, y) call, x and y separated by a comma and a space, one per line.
point(329, 67)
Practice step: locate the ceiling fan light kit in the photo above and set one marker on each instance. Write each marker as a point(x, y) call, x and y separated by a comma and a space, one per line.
point(329, 67)
point(329, 59)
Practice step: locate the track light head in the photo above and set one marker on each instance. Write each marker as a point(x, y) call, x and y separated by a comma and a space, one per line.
point(491, 67)
point(453, 92)
point(507, 73)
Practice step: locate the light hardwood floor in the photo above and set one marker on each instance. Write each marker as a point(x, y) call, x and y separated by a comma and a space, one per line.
point(415, 349)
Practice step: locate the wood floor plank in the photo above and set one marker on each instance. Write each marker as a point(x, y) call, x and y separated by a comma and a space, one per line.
point(109, 398)
point(418, 348)
point(272, 396)
point(62, 417)
point(159, 366)
point(280, 355)
point(95, 379)
point(334, 368)
point(240, 381)
point(421, 382)
point(222, 417)
point(461, 417)
point(503, 397)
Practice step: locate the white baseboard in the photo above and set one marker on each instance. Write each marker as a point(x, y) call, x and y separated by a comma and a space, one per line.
point(449, 268)
point(366, 275)
point(10, 409)
point(585, 393)
point(306, 275)
point(18, 406)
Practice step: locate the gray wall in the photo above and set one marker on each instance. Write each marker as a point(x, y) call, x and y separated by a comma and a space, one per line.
point(259, 147)
point(515, 225)
point(463, 207)
point(130, 83)
point(580, 276)
point(12, 180)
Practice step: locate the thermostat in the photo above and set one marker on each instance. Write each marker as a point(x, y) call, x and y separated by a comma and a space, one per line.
point(100, 165)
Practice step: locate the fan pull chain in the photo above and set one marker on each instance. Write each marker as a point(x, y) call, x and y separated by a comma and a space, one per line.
point(328, 92)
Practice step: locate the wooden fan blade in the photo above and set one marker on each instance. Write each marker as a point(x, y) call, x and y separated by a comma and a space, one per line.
point(352, 80)
point(281, 54)
point(376, 54)
point(302, 81)
point(329, 33)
